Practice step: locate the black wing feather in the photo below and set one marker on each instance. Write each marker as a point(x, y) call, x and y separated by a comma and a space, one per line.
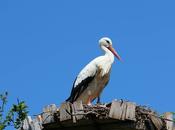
point(77, 90)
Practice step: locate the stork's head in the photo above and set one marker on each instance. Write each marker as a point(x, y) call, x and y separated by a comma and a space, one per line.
point(107, 42)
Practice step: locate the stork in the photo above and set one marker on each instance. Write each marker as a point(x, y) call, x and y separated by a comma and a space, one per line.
point(93, 78)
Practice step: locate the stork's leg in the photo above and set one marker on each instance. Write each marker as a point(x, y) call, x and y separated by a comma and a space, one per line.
point(89, 100)
point(98, 100)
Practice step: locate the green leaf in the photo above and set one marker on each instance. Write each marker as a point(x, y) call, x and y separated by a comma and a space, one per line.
point(15, 116)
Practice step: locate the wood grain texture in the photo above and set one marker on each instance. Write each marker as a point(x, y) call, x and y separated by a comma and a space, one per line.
point(66, 106)
point(77, 109)
point(169, 124)
point(122, 110)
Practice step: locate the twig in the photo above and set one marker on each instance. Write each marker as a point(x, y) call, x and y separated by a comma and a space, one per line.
point(76, 114)
point(157, 116)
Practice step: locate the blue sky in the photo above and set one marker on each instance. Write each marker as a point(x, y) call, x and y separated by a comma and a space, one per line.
point(44, 45)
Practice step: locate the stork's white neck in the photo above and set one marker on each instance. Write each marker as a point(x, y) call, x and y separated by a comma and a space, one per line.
point(108, 53)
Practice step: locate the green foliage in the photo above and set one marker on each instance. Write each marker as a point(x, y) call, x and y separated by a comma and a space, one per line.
point(15, 116)
point(162, 116)
point(173, 116)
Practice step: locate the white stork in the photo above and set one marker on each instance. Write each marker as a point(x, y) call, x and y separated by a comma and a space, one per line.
point(93, 78)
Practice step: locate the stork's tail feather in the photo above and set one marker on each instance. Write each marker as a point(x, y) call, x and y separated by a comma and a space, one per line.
point(69, 99)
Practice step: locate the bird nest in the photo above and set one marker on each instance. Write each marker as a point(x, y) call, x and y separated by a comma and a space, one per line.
point(120, 113)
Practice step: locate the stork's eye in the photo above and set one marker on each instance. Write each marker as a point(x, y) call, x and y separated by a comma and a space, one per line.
point(107, 41)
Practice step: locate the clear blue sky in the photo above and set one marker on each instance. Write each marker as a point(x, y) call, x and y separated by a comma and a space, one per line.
point(44, 45)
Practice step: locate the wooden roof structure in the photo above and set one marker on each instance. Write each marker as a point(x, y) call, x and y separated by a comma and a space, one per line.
point(117, 115)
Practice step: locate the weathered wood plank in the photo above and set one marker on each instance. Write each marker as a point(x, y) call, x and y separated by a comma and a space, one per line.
point(48, 113)
point(122, 110)
point(169, 124)
point(157, 122)
point(116, 110)
point(130, 112)
point(77, 109)
point(26, 123)
point(36, 125)
point(64, 115)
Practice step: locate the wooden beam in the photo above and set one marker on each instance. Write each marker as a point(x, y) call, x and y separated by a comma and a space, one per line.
point(122, 110)
point(65, 109)
point(169, 122)
point(77, 110)
point(48, 113)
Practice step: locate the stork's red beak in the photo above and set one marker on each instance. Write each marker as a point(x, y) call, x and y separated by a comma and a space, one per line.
point(114, 52)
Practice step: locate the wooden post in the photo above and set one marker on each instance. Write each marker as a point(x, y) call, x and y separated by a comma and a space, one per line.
point(64, 109)
point(36, 125)
point(48, 113)
point(122, 110)
point(157, 122)
point(130, 111)
point(27, 123)
point(77, 108)
point(116, 110)
point(169, 124)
